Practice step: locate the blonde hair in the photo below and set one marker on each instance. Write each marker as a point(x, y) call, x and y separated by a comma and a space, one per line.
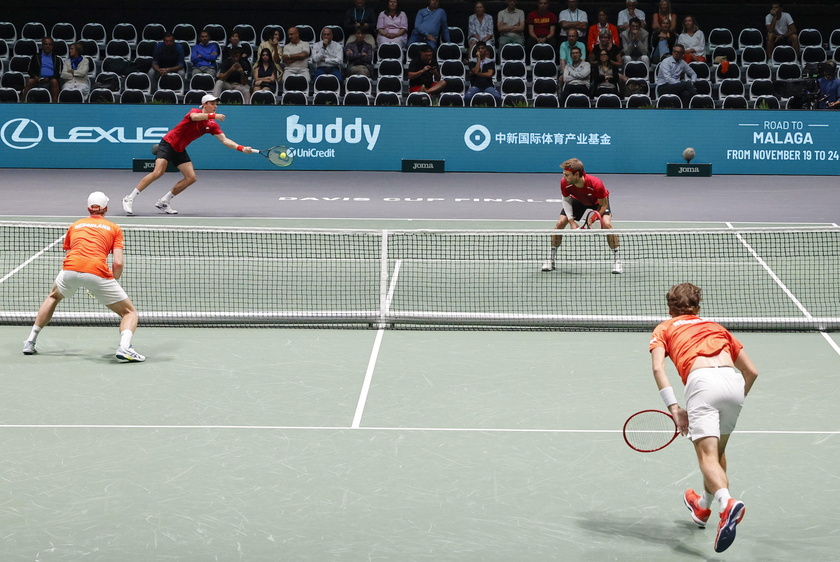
point(684, 299)
point(573, 165)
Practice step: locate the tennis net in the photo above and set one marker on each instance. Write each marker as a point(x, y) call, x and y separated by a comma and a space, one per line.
point(752, 278)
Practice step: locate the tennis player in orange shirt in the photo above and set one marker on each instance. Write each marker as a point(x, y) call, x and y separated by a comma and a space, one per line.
point(88, 243)
point(706, 356)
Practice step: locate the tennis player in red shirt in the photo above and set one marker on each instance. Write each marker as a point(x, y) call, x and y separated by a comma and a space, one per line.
point(581, 192)
point(88, 243)
point(706, 356)
point(173, 148)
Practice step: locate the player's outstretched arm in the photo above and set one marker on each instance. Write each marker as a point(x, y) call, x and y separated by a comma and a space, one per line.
point(230, 144)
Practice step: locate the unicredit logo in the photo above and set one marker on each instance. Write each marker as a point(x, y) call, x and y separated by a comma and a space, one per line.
point(21, 133)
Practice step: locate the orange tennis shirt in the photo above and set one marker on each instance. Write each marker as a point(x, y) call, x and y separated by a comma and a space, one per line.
point(88, 243)
point(687, 337)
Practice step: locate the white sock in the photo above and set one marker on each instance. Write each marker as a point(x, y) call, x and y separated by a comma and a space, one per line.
point(133, 194)
point(553, 253)
point(706, 500)
point(33, 335)
point(125, 338)
point(168, 197)
point(615, 253)
point(723, 497)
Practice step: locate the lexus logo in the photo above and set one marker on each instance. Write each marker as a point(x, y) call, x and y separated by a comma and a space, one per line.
point(21, 133)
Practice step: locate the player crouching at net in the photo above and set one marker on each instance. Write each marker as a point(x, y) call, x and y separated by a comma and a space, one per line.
point(173, 148)
point(705, 355)
point(582, 192)
point(88, 243)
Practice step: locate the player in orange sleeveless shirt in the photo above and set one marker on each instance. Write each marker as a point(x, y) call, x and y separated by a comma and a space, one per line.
point(88, 243)
point(706, 355)
point(173, 148)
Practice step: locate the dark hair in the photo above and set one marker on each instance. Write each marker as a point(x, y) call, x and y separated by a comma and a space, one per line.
point(635, 20)
point(424, 49)
point(684, 299)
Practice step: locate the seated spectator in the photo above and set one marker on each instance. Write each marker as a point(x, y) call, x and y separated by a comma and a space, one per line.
point(424, 73)
point(613, 51)
point(362, 16)
point(482, 71)
point(542, 26)
point(576, 75)
point(234, 74)
point(479, 28)
point(693, 40)
point(662, 41)
point(605, 76)
point(430, 26)
point(296, 55)
point(328, 56)
point(265, 76)
point(595, 31)
point(511, 25)
point(567, 46)
point(392, 26)
point(167, 57)
point(44, 70)
point(829, 86)
point(276, 50)
point(359, 55)
point(204, 55)
point(669, 75)
point(663, 14)
point(780, 29)
point(233, 42)
point(76, 70)
point(572, 18)
point(624, 16)
point(634, 43)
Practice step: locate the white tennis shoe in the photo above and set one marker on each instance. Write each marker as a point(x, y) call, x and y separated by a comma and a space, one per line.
point(165, 207)
point(128, 205)
point(29, 348)
point(548, 265)
point(618, 267)
point(129, 355)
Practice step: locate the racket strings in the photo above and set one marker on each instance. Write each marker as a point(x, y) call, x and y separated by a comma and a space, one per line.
point(649, 431)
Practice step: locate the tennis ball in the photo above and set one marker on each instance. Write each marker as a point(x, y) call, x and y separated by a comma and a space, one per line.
point(154, 149)
point(688, 154)
point(282, 155)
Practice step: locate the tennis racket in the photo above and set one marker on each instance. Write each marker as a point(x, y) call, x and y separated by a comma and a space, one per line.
point(650, 430)
point(279, 155)
point(590, 219)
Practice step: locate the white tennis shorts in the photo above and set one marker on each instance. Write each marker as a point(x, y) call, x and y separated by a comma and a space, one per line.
point(106, 291)
point(714, 397)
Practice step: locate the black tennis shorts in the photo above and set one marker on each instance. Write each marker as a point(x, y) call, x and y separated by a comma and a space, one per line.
point(166, 152)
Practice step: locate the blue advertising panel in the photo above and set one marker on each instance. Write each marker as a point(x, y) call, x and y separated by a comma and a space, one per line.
point(468, 139)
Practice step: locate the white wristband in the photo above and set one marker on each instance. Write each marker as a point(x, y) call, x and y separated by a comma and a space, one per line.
point(668, 396)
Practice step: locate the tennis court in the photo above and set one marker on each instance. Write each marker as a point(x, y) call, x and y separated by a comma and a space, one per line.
point(349, 444)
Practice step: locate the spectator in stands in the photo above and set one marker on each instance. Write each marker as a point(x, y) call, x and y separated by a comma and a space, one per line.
point(780, 29)
point(662, 41)
point(605, 76)
point(44, 70)
point(167, 57)
point(663, 14)
point(634, 43)
point(479, 28)
point(392, 26)
point(829, 86)
point(430, 26)
point(624, 16)
point(234, 74)
point(360, 15)
point(359, 55)
point(265, 76)
point(576, 74)
point(327, 55)
point(606, 45)
point(296, 55)
point(424, 73)
point(76, 71)
point(572, 18)
point(542, 26)
point(693, 40)
point(204, 55)
point(482, 71)
point(567, 46)
point(511, 25)
point(276, 50)
point(233, 42)
point(595, 31)
point(669, 76)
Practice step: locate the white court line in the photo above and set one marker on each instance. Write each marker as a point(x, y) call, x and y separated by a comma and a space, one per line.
point(30, 260)
point(344, 428)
